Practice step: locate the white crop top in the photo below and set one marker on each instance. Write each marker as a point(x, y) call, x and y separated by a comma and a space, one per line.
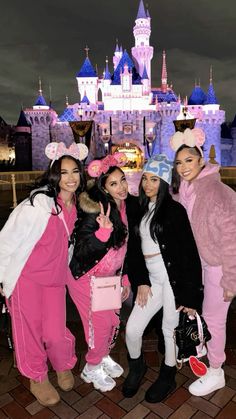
point(149, 247)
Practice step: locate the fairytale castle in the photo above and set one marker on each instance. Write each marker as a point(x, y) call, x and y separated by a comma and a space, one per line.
point(121, 110)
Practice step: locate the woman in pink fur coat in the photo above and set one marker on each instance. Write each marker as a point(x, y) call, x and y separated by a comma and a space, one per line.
point(211, 207)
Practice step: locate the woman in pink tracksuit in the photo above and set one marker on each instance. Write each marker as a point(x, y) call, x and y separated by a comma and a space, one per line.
point(100, 248)
point(34, 270)
point(211, 208)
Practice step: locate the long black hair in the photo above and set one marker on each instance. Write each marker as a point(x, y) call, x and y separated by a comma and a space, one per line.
point(158, 213)
point(119, 233)
point(48, 183)
point(175, 184)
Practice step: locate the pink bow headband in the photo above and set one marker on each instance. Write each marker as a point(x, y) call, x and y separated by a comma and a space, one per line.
point(97, 167)
point(191, 137)
point(56, 150)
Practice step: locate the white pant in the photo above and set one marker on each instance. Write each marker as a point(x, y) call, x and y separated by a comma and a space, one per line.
point(162, 296)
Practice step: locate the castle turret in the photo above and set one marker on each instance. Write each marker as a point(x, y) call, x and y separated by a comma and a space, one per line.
point(41, 118)
point(87, 80)
point(23, 143)
point(117, 55)
point(142, 52)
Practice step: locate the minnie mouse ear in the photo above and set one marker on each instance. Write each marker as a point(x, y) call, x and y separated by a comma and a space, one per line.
point(176, 140)
point(51, 150)
point(83, 151)
point(199, 135)
point(94, 168)
point(189, 138)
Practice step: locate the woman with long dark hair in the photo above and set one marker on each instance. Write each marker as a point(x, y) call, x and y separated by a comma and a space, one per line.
point(100, 248)
point(34, 271)
point(211, 208)
point(174, 282)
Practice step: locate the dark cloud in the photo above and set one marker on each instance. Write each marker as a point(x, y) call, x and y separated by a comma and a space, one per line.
point(47, 39)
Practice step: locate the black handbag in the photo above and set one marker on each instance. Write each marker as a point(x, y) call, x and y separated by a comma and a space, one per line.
point(190, 337)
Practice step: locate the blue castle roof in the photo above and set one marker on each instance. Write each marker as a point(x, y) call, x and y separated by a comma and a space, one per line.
point(141, 11)
point(211, 98)
point(85, 100)
point(22, 121)
point(125, 59)
point(40, 101)
point(86, 70)
point(161, 96)
point(145, 75)
point(197, 96)
point(68, 115)
point(107, 75)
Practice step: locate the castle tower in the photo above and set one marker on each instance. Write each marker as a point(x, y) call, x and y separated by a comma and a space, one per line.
point(87, 80)
point(211, 122)
point(23, 143)
point(142, 52)
point(41, 118)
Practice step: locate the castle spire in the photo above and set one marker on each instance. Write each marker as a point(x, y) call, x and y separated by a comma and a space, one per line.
point(164, 73)
point(211, 74)
point(40, 87)
point(87, 50)
point(141, 11)
point(211, 98)
point(107, 74)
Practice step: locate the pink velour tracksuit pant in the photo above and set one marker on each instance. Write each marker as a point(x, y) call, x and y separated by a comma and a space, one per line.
point(215, 311)
point(39, 330)
point(103, 323)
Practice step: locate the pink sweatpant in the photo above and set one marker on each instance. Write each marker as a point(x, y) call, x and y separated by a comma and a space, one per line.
point(215, 311)
point(104, 322)
point(38, 316)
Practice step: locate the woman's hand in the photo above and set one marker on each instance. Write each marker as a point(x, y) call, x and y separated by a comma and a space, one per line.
point(228, 295)
point(125, 293)
point(144, 291)
point(190, 311)
point(103, 219)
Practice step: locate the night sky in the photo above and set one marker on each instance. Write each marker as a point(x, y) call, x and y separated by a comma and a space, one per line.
point(47, 38)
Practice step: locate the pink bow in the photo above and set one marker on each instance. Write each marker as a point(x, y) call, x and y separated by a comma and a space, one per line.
point(56, 150)
point(191, 138)
point(97, 167)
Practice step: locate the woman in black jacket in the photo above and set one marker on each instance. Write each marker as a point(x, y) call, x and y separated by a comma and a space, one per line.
point(100, 246)
point(175, 276)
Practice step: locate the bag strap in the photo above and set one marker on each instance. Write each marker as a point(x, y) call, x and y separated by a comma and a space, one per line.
point(200, 328)
point(62, 218)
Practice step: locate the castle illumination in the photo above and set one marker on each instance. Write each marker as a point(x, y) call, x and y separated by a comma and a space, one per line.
point(127, 112)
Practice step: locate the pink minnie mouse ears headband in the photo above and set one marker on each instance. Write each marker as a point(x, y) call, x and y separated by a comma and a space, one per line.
point(97, 167)
point(191, 137)
point(56, 150)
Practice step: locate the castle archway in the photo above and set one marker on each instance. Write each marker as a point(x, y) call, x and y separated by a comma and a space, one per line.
point(134, 154)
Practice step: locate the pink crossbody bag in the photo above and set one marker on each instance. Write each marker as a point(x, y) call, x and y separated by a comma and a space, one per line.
point(106, 292)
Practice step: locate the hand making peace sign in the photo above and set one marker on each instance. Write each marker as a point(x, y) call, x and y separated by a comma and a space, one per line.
point(103, 219)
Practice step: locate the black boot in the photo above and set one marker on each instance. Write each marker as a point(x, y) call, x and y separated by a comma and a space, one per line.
point(164, 385)
point(137, 369)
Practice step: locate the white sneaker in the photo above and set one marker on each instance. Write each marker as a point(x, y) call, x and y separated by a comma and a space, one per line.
point(212, 381)
point(111, 367)
point(98, 377)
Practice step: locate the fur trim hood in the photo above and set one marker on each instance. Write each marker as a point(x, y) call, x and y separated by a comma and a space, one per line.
point(87, 204)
